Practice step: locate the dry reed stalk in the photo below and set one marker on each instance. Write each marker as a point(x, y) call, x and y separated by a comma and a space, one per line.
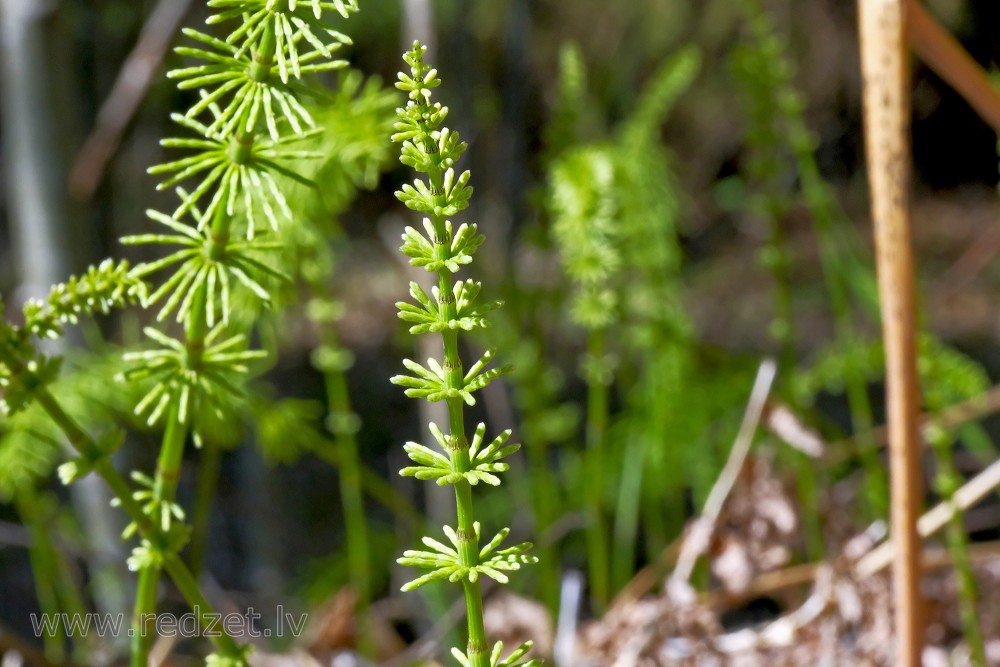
point(885, 73)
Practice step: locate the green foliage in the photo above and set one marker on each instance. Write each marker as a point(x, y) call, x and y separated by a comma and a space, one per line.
point(431, 149)
point(446, 563)
point(291, 23)
point(102, 288)
point(244, 137)
point(512, 660)
point(24, 370)
point(235, 169)
point(177, 383)
point(29, 449)
point(442, 469)
point(614, 207)
point(618, 199)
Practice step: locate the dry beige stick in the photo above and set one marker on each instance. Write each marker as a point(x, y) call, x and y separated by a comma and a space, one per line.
point(951, 62)
point(768, 583)
point(885, 73)
point(700, 530)
point(968, 495)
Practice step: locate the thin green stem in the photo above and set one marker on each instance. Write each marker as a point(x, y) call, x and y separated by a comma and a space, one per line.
point(87, 446)
point(144, 616)
point(598, 399)
point(376, 487)
point(836, 275)
point(946, 483)
point(545, 498)
point(201, 514)
point(477, 650)
point(841, 271)
point(168, 470)
point(41, 555)
point(350, 484)
point(164, 491)
point(627, 509)
point(434, 152)
point(342, 417)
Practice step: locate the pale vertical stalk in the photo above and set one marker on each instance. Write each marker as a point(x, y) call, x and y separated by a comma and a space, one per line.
point(884, 68)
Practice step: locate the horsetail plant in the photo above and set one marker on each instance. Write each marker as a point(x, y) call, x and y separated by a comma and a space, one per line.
point(452, 306)
point(251, 102)
point(28, 376)
point(248, 122)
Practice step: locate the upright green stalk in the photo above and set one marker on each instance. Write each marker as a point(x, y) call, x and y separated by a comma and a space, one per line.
point(158, 546)
point(55, 586)
point(164, 491)
point(450, 307)
point(342, 423)
point(598, 554)
point(254, 114)
point(201, 515)
point(778, 108)
point(946, 482)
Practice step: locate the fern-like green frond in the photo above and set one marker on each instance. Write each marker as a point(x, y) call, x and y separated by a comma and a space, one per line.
point(236, 173)
point(250, 89)
point(189, 381)
point(292, 24)
point(202, 260)
point(109, 285)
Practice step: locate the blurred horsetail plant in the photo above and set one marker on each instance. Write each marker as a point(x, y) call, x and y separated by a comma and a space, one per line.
point(615, 207)
point(452, 306)
point(247, 127)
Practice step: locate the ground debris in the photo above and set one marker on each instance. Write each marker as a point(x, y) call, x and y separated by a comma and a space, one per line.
point(830, 617)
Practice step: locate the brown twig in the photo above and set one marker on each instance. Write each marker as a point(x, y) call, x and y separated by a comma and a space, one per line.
point(125, 97)
point(951, 62)
point(884, 68)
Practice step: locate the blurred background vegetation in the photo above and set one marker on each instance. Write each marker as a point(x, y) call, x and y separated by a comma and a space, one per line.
point(670, 190)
